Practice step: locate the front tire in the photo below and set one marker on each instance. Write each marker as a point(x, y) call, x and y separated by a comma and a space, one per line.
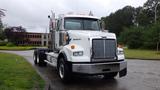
point(63, 71)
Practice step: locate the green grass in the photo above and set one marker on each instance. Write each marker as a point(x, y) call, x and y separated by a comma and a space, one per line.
point(16, 48)
point(17, 74)
point(141, 54)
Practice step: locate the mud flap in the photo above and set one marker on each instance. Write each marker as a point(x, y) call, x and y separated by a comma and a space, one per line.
point(123, 73)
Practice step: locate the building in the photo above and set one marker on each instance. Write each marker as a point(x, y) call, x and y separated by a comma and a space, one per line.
point(36, 39)
point(19, 36)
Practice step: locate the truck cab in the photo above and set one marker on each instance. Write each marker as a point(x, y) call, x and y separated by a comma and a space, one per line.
point(80, 46)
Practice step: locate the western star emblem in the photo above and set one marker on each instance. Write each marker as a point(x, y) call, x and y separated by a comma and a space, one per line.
point(103, 36)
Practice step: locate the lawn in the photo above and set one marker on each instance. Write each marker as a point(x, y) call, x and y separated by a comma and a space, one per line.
point(17, 74)
point(141, 54)
point(16, 48)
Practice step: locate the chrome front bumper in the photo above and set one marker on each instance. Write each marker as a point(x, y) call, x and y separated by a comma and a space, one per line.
point(99, 68)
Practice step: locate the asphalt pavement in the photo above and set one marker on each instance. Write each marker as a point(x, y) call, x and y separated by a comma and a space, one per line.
point(142, 75)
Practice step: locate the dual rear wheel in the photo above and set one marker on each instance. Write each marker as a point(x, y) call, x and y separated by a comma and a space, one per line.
point(39, 60)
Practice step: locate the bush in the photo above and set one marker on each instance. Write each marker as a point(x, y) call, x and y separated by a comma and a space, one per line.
point(152, 37)
point(3, 43)
point(10, 44)
point(140, 37)
point(132, 37)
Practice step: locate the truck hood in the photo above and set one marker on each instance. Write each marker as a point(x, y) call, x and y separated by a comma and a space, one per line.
point(83, 41)
point(91, 34)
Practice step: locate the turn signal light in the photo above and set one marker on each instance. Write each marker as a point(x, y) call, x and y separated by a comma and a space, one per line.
point(72, 46)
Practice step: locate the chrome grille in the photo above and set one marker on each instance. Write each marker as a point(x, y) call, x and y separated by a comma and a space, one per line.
point(103, 49)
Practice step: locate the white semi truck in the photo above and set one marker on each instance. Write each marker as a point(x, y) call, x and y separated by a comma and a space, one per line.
point(79, 45)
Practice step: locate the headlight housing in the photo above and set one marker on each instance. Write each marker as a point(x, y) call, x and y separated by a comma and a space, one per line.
point(78, 53)
point(120, 51)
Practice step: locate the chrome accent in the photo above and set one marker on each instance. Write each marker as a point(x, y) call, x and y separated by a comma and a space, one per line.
point(99, 68)
point(61, 71)
point(103, 49)
point(78, 53)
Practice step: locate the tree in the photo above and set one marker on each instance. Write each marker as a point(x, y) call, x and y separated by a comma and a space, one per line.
point(15, 34)
point(132, 37)
point(2, 36)
point(150, 4)
point(149, 7)
point(115, 22)
point(152, 37)
point(141, 17)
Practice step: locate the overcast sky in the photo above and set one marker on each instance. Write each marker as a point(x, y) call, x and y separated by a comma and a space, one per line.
point(32, 14)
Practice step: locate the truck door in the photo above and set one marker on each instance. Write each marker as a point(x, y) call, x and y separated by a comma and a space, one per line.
point(59, 35)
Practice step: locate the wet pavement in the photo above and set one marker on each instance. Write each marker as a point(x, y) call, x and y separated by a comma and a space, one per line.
point(142, 75)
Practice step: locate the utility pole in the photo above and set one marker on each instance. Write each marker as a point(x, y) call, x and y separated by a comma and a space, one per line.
point(155, 10)
point(155, 19)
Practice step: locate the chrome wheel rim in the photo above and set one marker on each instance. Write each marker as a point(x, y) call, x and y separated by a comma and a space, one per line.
point(61, 70)
point(34, 57)
point(37, 60)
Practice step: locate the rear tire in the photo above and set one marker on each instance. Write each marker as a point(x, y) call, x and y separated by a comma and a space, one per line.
point(40, 60)
point(35, 58)
point(110, 75)
point(63, 71)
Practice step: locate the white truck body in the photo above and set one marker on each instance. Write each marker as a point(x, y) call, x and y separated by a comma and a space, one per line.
point(86, 51)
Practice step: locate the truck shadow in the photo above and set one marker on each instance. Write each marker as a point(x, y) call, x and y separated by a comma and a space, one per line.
point(78, 82)
point(88, 83)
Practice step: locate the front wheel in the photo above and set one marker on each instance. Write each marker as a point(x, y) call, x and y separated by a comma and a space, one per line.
point(63, 71)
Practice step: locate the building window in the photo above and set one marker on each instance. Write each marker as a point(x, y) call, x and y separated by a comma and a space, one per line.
point(44, 43)
point(44, 36)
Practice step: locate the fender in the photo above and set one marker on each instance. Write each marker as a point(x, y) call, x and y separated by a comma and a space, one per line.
point(69, 64)
point(62, 54)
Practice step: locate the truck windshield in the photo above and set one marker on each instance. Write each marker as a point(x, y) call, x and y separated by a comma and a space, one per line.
point(81, 24)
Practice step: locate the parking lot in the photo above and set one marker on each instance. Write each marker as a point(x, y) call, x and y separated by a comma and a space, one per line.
point(142, 75)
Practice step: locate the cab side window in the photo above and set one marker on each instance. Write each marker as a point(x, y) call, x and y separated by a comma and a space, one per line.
point(59, 22)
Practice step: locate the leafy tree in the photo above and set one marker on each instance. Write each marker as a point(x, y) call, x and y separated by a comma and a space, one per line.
point(141, 17)
point(15, 34)
point(2, 36)
point(136, 27)
point(132, 37)
point(140, 37)
point(150, 4)
point(115, 22)
point(152, 37)
point(149, 7)
point(1, 30)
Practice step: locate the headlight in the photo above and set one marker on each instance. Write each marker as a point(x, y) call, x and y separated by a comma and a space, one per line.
point(120, 51)
point(78, 53)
